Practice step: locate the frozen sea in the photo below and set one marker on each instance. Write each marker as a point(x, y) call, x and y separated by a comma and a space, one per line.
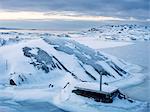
point(136, 53)
point(27, 106)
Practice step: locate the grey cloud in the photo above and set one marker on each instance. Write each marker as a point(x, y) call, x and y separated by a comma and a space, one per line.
point(118, 8)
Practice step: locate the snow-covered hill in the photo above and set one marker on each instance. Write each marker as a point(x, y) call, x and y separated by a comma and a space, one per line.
point(8, 37)
point(38, 60)
point(117, 32)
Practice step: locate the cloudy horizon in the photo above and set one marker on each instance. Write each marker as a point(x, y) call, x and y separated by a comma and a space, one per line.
point(71, 13)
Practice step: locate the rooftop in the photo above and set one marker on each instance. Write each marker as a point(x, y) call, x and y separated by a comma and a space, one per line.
point(95, 87)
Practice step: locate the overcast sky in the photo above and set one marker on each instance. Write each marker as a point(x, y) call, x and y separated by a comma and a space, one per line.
point(28, 13)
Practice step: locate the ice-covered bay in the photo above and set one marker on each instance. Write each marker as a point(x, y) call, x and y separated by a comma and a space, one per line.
point(26, 100)
point(27, 106)
point(137, 53)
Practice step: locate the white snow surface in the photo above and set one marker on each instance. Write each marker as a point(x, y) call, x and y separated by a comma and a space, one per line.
point(34, 73)
point(97, 43)
point(116, 32)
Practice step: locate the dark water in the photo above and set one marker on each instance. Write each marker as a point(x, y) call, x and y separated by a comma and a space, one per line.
point(138, 53)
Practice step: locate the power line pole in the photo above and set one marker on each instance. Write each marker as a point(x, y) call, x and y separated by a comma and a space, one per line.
point(101, 73)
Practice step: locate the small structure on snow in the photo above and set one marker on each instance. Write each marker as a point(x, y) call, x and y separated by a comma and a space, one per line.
point(91, 90)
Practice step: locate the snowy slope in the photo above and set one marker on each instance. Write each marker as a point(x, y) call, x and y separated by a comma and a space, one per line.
point(38, 60)
point(117, 32)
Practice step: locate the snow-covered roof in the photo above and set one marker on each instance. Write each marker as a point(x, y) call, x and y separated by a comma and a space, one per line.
point(95, 87)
